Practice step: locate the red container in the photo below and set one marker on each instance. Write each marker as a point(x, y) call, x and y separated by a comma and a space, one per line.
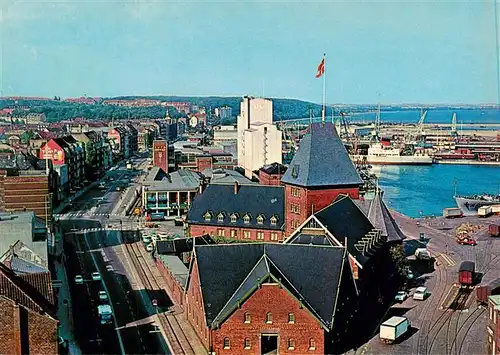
point(487, 289)
point(494, 230)
point(466, 273)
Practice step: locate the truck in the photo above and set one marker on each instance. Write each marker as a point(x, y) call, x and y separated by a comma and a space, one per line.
point(484, 211)
point(393, 328)
point(494, 230)
point(422, 254)
point(105, 313)
point(452, 213)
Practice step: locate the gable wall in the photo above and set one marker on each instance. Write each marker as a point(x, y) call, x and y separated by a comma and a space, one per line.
point(195, 312)
point(269, 298)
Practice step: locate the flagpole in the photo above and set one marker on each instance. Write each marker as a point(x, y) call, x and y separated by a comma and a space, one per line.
point(324, 91)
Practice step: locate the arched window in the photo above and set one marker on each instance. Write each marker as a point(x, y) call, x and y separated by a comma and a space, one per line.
point(291, 344)
point(227, 343)
point(269, 317)
point(260, 219)
point(312, 344)
point(247, 317)
point(234, 218)
point(247, 343)
point(291, 318)
point(246, 218)
point(220, 217)
point(274, 220)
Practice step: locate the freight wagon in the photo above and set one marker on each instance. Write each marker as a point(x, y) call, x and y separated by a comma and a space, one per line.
point(484, 211)
point(485, 290)
point(466, 273)
point(494, 230)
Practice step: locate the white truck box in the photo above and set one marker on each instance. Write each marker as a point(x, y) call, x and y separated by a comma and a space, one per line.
point(452, 212)
point(393, 328)
point(484, 211)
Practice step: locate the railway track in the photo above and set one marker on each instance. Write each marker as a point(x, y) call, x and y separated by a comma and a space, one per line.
point(423, 339)
point(177, 338)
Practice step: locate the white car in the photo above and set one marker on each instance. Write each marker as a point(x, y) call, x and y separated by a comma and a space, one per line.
point(401, 296)
point(420, 293)
point(96, 276)
point(103, 296)
point(79, 279)
point(150, 247)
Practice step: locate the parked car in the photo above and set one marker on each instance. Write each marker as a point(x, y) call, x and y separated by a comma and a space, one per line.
point(467, 241)
point(96, 276)
point(103, 296)
point(78, 279)
point(150, 247)
point(401, 296)
point(420, 294)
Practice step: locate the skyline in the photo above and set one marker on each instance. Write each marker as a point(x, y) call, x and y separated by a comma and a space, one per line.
point(446, 51)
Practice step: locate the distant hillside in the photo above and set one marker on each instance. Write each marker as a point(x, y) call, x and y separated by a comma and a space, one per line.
point(284, 109)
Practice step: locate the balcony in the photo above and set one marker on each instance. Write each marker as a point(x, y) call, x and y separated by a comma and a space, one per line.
point(151, 198)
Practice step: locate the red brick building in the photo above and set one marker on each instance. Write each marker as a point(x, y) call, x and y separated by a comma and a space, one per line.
point(244, 212)
point(160, 154)
point(27, 325)
point(494, 325)
point(271, 174)
point(320, 171)
point(268, 302)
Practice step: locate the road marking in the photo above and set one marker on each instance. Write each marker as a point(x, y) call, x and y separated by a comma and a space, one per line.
point(449, 260)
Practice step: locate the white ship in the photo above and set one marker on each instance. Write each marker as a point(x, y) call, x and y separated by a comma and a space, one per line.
point(379, 154)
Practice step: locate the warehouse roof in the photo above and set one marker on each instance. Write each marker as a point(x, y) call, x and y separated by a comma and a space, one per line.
point(311, 274)
point(322, 160)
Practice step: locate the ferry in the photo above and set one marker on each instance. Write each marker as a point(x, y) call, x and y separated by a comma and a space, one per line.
point(380, 154)
point(470, 204)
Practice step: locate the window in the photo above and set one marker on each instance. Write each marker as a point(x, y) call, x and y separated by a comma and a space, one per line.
point(227, 343)
point(291, 344)
point(234, 218)
point(247, 343)
point(291, 318)
point(260, 235)
point(220, 232)
point(295, 208)
point(246, 219)
point(295, 192)
point(246, 234)
point(274, 220)
point(234, 233)
point(260, 219)
point(220, 217)
point(274, 236)
point(312, 344)
point(207, 216)
point(269, 318)
point(247, 318)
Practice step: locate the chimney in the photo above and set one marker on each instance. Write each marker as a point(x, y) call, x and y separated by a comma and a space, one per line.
point(236, 186)
point(201, 188)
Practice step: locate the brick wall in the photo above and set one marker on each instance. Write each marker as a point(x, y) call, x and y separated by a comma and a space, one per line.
point(194, 310)
point(270, 298)
point(160, 155)
point(39, 330)
point(200, 229)
point(175, 290)
point(203, 163)
point(301, 202)
point(269, 179)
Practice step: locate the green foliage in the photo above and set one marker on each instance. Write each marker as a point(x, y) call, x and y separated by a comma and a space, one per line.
point(399, 259)
point(26, 136)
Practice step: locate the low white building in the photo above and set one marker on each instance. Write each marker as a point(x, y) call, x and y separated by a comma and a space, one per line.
point(225, 133)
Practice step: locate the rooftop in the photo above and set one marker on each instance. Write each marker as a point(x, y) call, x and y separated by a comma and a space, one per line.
point(183, 179)
point(322, 160)
point(176, 268)
point(226, 176)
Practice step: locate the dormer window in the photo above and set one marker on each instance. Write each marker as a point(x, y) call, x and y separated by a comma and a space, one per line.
point(260, 219)
point(274, 220)
point(234, 218)
point(246, 218)
point(207, 216)
point(220, 217)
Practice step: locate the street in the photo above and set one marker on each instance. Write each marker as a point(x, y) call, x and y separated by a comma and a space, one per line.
point(93, 243)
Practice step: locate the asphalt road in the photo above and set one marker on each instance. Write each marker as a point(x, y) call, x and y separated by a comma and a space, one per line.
point(87, 252)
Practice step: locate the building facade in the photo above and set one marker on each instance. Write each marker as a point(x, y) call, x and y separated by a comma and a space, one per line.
point(160, 154)
point(259, 140)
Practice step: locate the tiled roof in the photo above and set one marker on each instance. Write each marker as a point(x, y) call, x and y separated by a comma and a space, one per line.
point(274, 168)
point(181, 245)
point(381, 217)
point(250, 203)
point(311, 274)
point(19, 290)
point(344, 219)
point(183, 179)
point(321, 160)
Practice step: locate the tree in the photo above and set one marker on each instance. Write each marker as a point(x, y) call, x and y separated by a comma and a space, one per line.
point(399, 259)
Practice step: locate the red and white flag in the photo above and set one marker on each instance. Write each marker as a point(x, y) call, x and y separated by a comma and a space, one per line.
point(321, 69)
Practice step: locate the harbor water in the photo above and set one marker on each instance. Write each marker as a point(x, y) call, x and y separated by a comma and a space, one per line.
point(426, 190)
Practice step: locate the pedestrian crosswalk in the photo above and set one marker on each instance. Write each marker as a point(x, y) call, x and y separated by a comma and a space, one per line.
point(99, 229)
point(88, 214)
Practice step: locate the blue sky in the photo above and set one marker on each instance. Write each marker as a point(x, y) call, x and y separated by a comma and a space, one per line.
point(392, 52)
